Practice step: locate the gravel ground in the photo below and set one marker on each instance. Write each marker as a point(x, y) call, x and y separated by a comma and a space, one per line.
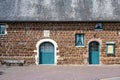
point(48, 72)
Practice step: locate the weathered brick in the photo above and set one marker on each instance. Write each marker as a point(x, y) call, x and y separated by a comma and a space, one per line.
point(21, 43)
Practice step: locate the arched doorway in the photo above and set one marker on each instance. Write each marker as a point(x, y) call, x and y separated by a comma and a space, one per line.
point(46, 53)
point(94, 52)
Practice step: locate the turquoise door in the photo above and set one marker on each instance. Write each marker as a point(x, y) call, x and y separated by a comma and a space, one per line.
point(94, 53)
point(46, 53)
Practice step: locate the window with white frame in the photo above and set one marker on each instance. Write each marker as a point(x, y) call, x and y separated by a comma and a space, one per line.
point(79, 40)
point(2, 29)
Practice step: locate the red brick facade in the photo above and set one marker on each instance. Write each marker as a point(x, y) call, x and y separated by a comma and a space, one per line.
point(22, 37)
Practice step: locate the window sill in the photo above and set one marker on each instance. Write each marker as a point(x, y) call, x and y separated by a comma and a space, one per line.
point(98, 29)
point(2, 34)
point(79, 46)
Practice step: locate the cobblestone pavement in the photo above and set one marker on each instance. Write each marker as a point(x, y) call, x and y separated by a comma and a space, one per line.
point(48, 72)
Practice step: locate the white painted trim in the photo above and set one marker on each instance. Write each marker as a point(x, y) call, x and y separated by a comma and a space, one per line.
point(79, 46)
point(55, 49)
point(35, 51)
point(110, 42)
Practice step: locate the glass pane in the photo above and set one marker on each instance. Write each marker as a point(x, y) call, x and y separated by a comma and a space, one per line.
point(2, 29)
point(110, 49)
point(79, 39)
point(94, 46)
point(47, 47)
point(98, 26)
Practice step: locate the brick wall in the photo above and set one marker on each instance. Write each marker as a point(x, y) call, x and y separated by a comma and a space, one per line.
point(21, 38)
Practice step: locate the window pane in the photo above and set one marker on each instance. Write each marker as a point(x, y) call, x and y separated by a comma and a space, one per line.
point(2, 29)
point(79, 39)
point(110, 49)
point(99, 26)
point(94, 46)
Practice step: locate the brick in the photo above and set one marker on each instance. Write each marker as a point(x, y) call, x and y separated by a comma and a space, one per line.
point(18, 43)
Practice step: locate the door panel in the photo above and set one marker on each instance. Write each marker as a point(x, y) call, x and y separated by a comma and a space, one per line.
point(46, 53)
point(94, 53)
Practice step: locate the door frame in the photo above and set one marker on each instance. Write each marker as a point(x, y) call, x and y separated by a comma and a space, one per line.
point(98, 52)
point(55, 50)
point(87, 55)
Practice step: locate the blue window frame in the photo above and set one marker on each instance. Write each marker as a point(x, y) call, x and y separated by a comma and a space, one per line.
point(79, 40)
point(98, 26)
point(2, 29)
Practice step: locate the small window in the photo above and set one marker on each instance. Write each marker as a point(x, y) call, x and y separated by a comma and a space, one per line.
point(99, 26)
point(110, 49)
point(2, 29)
point(79, 40)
